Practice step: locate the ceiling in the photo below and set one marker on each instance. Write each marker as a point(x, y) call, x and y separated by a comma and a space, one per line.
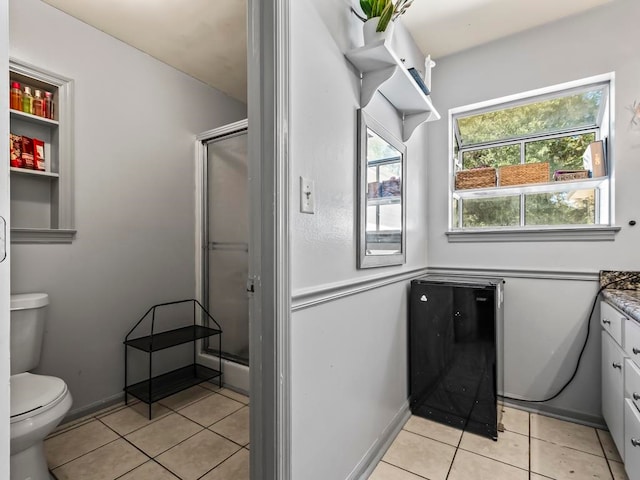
point(178, 32)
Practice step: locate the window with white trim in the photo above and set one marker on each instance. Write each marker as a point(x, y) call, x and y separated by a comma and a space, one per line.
point(534, 161)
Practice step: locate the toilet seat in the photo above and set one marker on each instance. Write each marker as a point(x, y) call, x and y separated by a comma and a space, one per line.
point(34, 394)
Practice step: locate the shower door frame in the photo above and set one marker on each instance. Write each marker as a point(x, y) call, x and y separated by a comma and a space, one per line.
point(202, 215)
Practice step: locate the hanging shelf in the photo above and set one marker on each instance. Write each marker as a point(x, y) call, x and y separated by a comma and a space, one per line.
point(383, 71)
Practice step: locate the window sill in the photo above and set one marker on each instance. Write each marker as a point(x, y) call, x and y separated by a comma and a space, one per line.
point(596, 233)
point(42, 235)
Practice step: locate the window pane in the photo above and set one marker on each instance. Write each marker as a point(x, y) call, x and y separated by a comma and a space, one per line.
point(564, 153)
point(390, 217)
point(491, 212)
point(491, 157)
point(564, 208)
point(378, 148)
point(579, 110)
point(456, 219)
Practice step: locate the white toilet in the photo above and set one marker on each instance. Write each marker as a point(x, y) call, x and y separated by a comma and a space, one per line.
point(38, 402)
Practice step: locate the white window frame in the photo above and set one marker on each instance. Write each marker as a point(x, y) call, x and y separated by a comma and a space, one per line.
point(598, 231)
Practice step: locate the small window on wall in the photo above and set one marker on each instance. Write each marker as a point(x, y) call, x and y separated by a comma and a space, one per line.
point(538, 161)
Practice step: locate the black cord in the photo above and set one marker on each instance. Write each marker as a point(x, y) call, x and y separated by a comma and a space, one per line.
point(634, 276)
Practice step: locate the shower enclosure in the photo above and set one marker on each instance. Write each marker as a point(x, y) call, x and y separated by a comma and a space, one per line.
point(225, 237)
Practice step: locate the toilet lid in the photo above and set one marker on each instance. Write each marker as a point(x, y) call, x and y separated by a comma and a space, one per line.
point(31, 392)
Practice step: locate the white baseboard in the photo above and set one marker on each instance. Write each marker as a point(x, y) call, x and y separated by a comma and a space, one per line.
point(94, 407)
point(370, 459)
point(559, 413)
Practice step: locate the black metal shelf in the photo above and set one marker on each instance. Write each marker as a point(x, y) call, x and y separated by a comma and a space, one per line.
point(172, 382)
point(154, 388)
point(171, 338)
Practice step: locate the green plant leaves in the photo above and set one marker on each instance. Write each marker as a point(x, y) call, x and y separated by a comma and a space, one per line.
point(365, 5)
point(387, 10)
point(385, 17)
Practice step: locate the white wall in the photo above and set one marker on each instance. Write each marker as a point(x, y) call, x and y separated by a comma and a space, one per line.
point(545, 317)
point(135, 126)
point(348, 355)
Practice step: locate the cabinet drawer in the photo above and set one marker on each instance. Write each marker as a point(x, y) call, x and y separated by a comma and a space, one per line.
point(613, 358)
point(632, 382)
point(632, 340)
point(631, 440)
point(612, 321)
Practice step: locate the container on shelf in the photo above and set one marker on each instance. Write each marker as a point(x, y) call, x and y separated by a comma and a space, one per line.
point(15, 102)
point(15, 150)
point(27, 101)
point(38, 155)
point(27, 153)
point(523, 174)
point(476, 178)
point(38, 104)
point(48, 105)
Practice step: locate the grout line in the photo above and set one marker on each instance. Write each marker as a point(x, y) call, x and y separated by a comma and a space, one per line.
point(72, 426)
point(605, 454)
point(207, 426)
point(451, 464)
point(212, 469)
point(209, 393)
point(494, 459)
point(166, 468)
point(177, 412)
point(172, 446)
point(403, 469)
point(98, 416)
point(129, 471)
point(86, 453)
point(529, 440)
point(570, 448)
point(150, 422)
point(434, 439)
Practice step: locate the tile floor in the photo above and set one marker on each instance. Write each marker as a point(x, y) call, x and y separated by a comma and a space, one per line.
point(200, 433)
point(532, 447)
point(203, 434)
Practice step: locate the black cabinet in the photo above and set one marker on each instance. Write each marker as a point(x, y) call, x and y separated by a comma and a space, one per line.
point(455, 352)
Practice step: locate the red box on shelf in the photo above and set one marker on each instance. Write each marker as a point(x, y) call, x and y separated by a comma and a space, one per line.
point(27, 153)
point(38, 155)
point(15, 151)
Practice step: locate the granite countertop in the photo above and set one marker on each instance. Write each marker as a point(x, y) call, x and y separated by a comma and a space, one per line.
point(627, 301)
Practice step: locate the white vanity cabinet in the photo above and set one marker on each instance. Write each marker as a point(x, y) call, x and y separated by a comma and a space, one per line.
point(632, 439)
point(631, 332)
point(621, 384)
point(613, 389)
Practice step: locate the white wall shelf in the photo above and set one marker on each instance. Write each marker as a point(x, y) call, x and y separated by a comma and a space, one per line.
point(42, 207)
point(383, 201)
point(550, 187)
point(27, 117)
point(37, 173)
point(383, 71)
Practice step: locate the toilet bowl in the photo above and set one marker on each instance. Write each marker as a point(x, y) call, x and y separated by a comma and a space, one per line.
point(38, 402)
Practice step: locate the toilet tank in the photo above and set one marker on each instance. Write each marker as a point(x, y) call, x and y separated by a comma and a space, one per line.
point(27, 330)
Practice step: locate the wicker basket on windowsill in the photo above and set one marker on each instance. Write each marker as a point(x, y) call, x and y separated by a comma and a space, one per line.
point(476, 178)
point(523, 174)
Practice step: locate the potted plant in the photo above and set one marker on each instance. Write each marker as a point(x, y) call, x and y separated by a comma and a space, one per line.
point(380, 15)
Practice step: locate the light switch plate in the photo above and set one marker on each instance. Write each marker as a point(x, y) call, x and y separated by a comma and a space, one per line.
point(307, 195)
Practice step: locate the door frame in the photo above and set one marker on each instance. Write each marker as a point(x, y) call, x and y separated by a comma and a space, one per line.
point(5, 229)
point(270, 307)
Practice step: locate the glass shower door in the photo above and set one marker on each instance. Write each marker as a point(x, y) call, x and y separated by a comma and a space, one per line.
point(227, 243)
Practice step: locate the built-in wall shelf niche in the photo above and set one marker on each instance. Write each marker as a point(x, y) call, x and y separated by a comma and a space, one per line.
point(383, 71)
point(42, 200)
